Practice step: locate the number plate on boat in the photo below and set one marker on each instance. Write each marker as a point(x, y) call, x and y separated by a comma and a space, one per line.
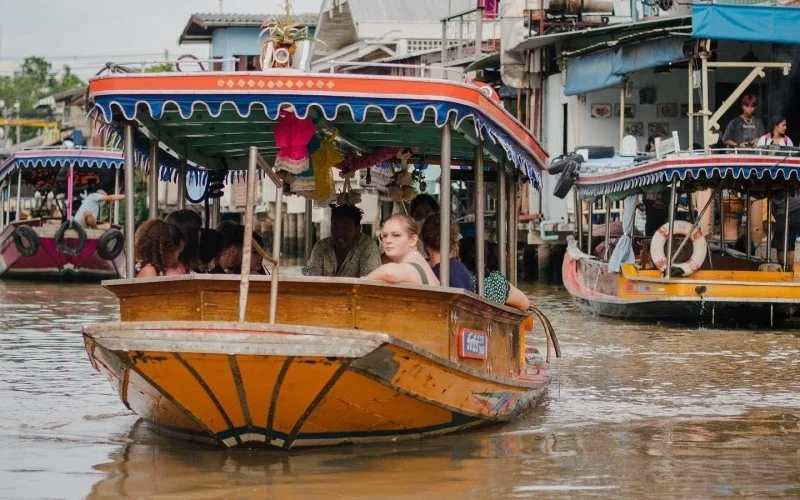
point(473, 344)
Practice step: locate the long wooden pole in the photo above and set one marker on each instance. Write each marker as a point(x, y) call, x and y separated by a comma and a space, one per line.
point(501, 220)
point(153, 185)
point(444, 207)
point(129, 201)
point(480, 233)
point(247, 244)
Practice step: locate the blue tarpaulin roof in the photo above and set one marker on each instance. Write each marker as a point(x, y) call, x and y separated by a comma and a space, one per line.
point(748, 23)
point(607, 68)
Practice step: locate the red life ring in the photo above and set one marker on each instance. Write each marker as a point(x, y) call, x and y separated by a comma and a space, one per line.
point(699, 247)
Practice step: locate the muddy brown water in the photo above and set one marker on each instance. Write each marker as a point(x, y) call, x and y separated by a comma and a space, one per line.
point(635, 410)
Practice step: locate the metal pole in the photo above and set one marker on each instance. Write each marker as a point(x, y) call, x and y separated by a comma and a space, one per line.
point(689, 112)
point(480, 207)
point(116, 191)
point(129, 201)
point(694, 226)
point(622, 112)
point(309, 229)
point(445, 204)
point(590, 228)
point(608, 227)
point(153, 185)
point(478, 33)
point(19, 193)
point(672, 190)
point(444, 46)
point(2, 206)
point(182, 186)
point(501, 219)
point(785, 229)
point(276, 252)
point(512, 235)
point(706, 112)
point(578, 211)
point(769, 224)
point(749, 222)
point(215, 213)
point(722, 220)
point(247, 244)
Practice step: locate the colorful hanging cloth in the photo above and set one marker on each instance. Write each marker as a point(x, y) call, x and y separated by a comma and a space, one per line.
point(292, 136)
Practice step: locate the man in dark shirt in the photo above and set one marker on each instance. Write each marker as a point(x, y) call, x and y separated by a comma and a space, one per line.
point(779, 211)
point(744, 130)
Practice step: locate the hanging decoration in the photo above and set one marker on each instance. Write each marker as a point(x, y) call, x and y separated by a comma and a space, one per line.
point(347, 196)
point(378, 155)
point(322, 162)
point(401, 187)
point(292, 135)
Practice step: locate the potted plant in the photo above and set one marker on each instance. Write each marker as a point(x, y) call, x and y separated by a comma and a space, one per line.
point(282, 32)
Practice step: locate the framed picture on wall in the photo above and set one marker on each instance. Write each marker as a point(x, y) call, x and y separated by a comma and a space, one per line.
point(668, 110)
point(601, 110)
point(658, 129)
point(634, 128)
point(630, 111)
point(647, 95)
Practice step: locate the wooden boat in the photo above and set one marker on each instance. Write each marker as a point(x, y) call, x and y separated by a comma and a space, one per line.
point(299, 361)
point(40, 247)
point(717, 284)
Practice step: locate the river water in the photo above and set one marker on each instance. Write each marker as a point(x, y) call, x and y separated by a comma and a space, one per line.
point(635, 410)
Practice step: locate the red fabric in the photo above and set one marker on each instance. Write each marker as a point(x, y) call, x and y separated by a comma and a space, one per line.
point(292, 136)
point(365, 161)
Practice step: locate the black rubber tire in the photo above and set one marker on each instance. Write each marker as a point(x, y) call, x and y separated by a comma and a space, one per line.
point(26, 240)
point(62, 246)
point(110, 244)
point(566, 181)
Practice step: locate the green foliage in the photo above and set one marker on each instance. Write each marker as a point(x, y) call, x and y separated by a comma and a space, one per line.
point(36, 79)
point(160, 68)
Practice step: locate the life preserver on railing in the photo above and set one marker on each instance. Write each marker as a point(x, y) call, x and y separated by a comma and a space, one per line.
point(62, 246)
point(26, 240)
point(110, 244)
point(699, 248)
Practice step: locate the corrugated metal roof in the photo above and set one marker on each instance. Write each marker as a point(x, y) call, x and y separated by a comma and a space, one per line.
point(305, 19)
point(407, 10)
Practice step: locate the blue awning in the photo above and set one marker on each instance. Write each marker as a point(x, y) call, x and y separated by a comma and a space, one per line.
point(748, 23)
point(608, 67)
point(591, 73)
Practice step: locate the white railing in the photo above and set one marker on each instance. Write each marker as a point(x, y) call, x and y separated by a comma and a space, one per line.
point(425, 71)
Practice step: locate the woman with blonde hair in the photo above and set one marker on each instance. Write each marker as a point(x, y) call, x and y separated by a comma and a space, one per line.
point(399, 239)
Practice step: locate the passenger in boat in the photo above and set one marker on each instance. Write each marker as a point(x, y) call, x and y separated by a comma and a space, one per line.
point(399, 238)
point(656, 210)
point(744, 130)
point(347, 252)
point(189, 222)
point(422, 206)
point(779, 211)
point(495, 286)
point(210, 246)
point(777, 133)
point(460, 276)
point(89, 211)
point(229, 260)
point(157, 249)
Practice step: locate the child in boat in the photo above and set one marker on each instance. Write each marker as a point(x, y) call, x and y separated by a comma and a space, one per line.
point(460, 276)
point(399, 238)
point(495, 286)
point(158, 247)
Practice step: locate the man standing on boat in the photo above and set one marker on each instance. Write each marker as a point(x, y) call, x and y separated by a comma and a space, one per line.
point(347, 252)
point(744, 130)
point(89, 211)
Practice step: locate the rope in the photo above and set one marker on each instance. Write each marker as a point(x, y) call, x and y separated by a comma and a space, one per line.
point(549, 332)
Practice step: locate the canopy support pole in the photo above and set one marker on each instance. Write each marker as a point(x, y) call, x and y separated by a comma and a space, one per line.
point(690, 105)
point(445, 205)
point(769, 224)
point(153, 184)
point(129, 200)
point(608, 228)
point(247, 245)
point(182, 186)
point(512, 229)
point(748, 213)
point(19, 194)
point(309, 229)
point(668, 271)
point(116, 202)
point(786, 230)
point(480, 207)
point(590, 227)
point(2, 206)
point(622, 112)
point(578, 211)
point(722, 221)
point(501, 220)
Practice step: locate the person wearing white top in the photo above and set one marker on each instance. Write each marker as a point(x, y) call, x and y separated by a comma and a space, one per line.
point(777, 133)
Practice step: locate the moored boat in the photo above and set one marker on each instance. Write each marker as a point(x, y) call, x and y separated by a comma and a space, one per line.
point(722, 280)
point(45, 244)
point(296, 361)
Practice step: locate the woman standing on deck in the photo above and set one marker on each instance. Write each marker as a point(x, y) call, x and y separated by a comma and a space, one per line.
point(777, 133)
point(399, 239)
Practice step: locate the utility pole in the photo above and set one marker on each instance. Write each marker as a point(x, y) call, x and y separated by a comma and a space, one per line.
point(221, 10)
point(19, 128)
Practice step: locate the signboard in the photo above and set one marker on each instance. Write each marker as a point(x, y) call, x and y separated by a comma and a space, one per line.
point(473, 344)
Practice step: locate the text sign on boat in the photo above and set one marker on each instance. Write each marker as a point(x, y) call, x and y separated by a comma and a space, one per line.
point(473, 344)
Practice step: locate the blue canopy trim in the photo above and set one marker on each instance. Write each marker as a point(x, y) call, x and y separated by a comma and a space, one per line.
point(57, 158)
point(607, 68)
point(664, 171)
point(329, 107)
point(748, 23)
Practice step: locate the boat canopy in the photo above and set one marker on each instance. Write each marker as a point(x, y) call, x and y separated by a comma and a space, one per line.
point(57, 158)
point(212, 119)
point(739, 171)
